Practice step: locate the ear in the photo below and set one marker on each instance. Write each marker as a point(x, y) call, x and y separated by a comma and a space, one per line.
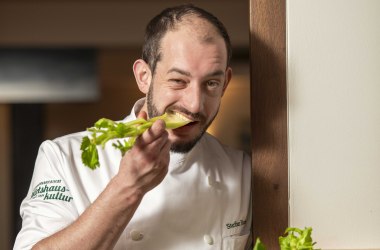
point(143, 75)
point(228, 79)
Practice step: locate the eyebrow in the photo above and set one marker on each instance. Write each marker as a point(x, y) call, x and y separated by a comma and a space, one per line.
point(186, 73)
point(180, 71)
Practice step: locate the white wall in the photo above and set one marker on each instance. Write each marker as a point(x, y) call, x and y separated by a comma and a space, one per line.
point(333, 68)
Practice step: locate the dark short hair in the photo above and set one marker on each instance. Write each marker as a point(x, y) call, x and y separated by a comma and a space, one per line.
point(166, 21)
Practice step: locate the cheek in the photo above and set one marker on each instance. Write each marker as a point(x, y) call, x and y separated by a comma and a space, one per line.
point(212, 107)
point(164, 98)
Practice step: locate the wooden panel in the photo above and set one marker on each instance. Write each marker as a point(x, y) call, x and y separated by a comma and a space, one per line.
point(5, 178)
point(269, 120)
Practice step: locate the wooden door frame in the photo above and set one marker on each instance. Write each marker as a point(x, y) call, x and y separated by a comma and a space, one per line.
point(269, 119)
point(5, 178)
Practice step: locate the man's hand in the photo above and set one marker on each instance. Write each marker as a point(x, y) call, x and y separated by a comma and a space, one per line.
point(144, 166)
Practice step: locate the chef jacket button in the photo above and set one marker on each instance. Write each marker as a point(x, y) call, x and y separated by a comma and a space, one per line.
point(210, 181)
point(136, 235)
point(208, 239)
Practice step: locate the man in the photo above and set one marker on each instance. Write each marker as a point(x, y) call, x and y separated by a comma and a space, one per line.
point(175, 189)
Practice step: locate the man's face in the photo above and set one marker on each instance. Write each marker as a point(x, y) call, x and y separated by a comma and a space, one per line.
point(190, 79)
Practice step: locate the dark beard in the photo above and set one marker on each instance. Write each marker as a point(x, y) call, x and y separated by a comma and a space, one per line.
point(179, 147)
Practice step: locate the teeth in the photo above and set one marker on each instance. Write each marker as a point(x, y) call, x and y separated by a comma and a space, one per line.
point(175, 120)
point(182, 117)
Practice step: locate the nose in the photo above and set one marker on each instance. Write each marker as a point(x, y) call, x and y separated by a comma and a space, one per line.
point(193, 98)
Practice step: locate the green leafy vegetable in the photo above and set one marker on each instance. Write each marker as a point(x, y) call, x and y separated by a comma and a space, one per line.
point(294, 239)
point(105, 130)
point(297, 239)
point(259, 245)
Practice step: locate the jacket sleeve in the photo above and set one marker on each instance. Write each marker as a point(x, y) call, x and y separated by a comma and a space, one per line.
point(49, 205)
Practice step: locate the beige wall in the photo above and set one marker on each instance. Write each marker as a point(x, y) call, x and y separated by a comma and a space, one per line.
point(334, 121)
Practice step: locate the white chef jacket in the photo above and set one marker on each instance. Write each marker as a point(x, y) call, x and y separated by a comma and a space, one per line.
point(202, 203)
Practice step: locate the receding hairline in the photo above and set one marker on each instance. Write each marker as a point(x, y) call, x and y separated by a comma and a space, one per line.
point(200, 25)
point(203, 30)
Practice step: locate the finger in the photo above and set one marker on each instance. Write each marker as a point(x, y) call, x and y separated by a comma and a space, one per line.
point(165, 148)
point(156, 131)
point(142, 114)
point(155, 147)
point(161, 145)
point(164, 154)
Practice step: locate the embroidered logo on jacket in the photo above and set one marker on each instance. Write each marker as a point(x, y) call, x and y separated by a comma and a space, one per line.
point(236, 224)
point(52, 190)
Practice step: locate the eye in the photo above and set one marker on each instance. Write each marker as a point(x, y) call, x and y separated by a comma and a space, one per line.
point(213, 84)
point(177, 81)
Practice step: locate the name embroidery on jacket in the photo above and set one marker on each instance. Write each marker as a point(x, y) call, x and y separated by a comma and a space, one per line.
point(52, 190)
point(236, 224)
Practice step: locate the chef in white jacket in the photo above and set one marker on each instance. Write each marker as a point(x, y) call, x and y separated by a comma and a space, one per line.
point(175, 189)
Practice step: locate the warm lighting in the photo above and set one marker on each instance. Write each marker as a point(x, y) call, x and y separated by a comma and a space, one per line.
point(232, 125)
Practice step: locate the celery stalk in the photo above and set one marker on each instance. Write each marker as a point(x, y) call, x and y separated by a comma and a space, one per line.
point(105, 130)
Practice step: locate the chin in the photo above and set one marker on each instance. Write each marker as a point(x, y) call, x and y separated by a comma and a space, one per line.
point(181, 146)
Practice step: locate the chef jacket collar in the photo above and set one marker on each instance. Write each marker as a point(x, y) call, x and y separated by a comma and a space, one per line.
point(135, 110)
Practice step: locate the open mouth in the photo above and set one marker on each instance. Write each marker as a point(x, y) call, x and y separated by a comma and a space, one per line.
point(187, 121)
point(180, 116)
point(173, 119)
point(185, 117)
point(190, 124)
